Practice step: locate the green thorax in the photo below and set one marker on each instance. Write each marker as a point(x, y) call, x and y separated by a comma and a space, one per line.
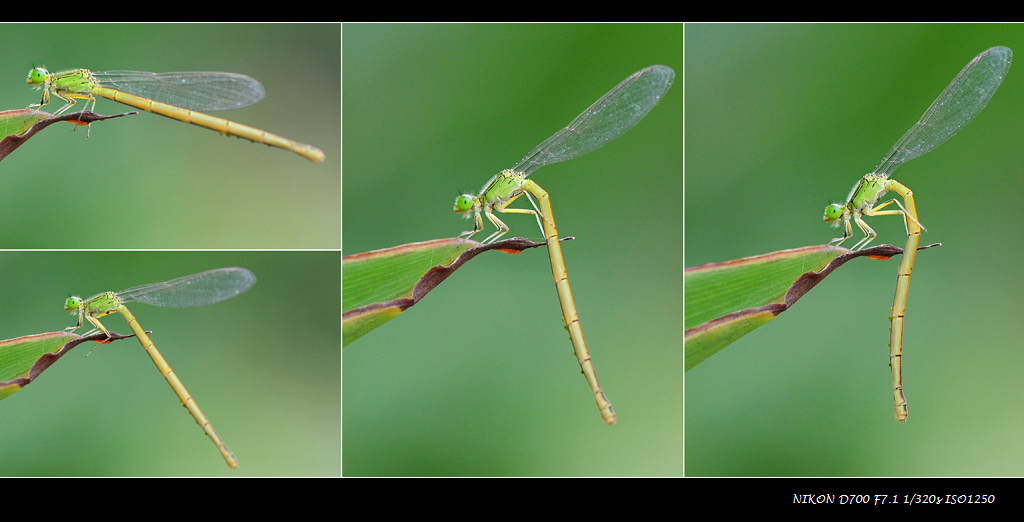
point(100, 305)
point(866, 192)
point(501, 188)
point(74, 81)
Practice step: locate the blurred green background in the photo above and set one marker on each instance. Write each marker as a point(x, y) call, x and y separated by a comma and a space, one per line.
point(783, 119)
point(263, 366)
point(146, 181)
point(479, 378)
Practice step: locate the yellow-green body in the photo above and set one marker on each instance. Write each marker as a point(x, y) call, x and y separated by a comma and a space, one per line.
point(81, 84)
point(611, 115)
point(107, 303)
point(572, 321)
point(502, 189)
point(955, 106)
point(899, 308)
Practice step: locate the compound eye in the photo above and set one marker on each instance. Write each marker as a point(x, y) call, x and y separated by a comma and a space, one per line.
point(833, 212)
point(463, 203)
point(73, 303)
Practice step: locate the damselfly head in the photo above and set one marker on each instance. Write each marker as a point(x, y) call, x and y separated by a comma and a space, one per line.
point(73, 303)
point(37, 77)
point(832, 214)
point(464, 203)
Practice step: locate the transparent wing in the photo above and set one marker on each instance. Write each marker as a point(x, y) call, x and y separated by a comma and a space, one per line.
point(204, 288)
point(615, 113)
point(198, 91)
point(962, 100)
